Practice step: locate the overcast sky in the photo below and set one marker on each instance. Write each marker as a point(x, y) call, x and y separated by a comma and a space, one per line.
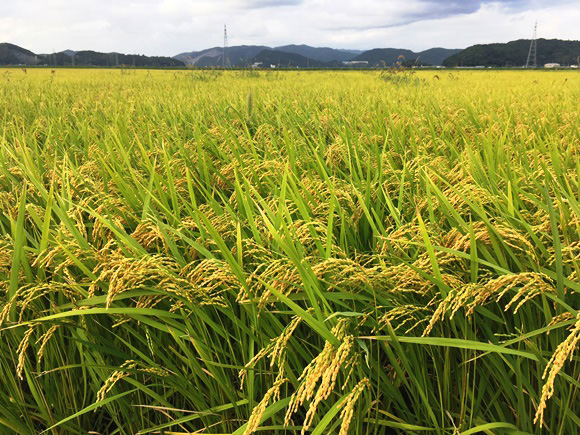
point(169, 27)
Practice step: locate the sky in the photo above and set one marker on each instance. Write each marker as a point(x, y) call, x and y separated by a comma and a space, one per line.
point(169, 27)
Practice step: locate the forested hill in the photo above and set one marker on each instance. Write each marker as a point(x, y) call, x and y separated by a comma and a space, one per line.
point(11, 54)
point(95, 58)
point(515, 53)
point(390, 56)
point(511, 54)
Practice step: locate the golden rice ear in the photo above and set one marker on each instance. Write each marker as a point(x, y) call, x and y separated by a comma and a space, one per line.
point(336, 154)
point(348, 405)
point(276, 351)
point(560, 318)
point(149, 235)
point(198, 282)
point(123, 372)
point(564, 351)
point(470, 296)
point(22, 348)
point(318, 380)
point(116, 376)
point(43, 340)
point(405, 317)
point(272, 394)
point(532, 284)
point(281, 274)
point(27, 294)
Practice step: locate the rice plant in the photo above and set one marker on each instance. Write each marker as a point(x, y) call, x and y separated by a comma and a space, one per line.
point(310, 252)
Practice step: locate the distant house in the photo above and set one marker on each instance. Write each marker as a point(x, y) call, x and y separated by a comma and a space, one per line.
point(355, 62)
point(552, 65)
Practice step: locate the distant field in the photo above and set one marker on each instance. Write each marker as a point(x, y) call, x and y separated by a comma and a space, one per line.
point(325, 252)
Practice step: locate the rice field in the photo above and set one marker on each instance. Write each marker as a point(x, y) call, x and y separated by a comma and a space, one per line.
point(289, 252)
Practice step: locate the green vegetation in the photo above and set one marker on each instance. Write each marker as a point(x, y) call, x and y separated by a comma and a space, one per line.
point(322, 252)
point(11, 54)
point(95, 58)
point(289, 60)
point(391, 56)
point(515, 53)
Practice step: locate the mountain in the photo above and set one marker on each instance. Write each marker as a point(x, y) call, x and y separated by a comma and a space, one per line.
point(390, 56)
point(240, 55)
point(314, 57)
point(515, 53)
point(192, 57)
point(11, 54)
point(243, 55)
point(387, 55)
point(287, 60)
point(95, 58)
point(322, 54)
point(437, 55)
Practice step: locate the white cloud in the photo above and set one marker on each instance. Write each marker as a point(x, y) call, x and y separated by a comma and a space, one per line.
point(167, 27)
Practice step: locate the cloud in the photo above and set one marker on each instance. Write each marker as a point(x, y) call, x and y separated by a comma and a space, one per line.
point(414, 11)
point(167, 27)
point(252, 4)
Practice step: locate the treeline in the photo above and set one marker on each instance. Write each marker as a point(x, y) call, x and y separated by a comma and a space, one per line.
point(95, 58)
point(11, 54)
point(515, 53)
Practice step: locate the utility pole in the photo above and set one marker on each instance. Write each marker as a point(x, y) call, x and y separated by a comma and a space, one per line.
point(532, 61)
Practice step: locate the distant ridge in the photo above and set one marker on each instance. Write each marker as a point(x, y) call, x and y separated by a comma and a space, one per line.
point(322, 54)
point(11, 54)
point(512, 54)
point(515, 53)
point(389, 56)
point(246, 55)
point(241, 55)
point(95, 58)
point(284, 59)
point(314, 57)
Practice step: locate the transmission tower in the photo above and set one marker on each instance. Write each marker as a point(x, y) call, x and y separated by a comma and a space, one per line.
point(225, 60)
point(532, 54)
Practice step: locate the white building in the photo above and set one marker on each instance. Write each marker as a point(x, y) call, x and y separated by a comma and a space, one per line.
point(355, 62)
point(552, 65)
